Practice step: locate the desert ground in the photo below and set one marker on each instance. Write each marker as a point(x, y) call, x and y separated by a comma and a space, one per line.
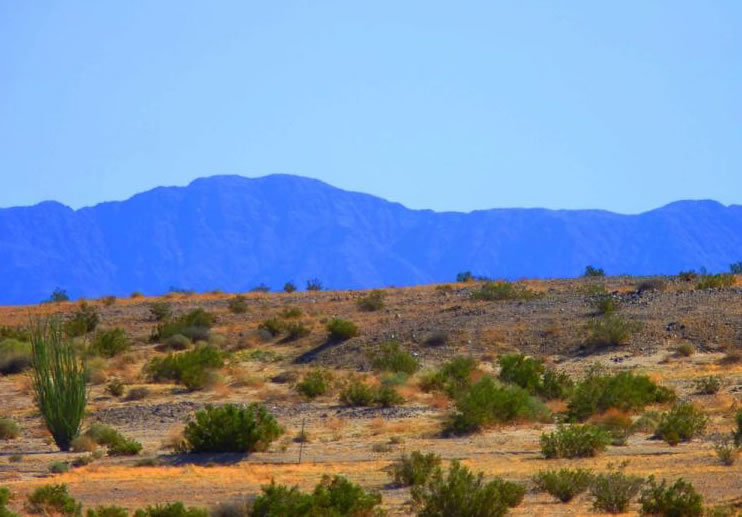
point(433, 322)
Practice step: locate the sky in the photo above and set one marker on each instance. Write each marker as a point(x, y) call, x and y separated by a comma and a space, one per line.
point(624, 106)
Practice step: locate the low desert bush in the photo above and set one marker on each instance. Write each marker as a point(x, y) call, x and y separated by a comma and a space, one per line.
point(388, 396)
point(574, 441)
point(676, 500)
point(59, 467)
point(116, 443)
point(609, 330)
point(681, 423)
point(624, 391)
point(160, 311)
point(115, 388)
point(53, 500)
point(708, 385)
point(332, 497)
point(718, 281)
point(737, 434)
point(273, 326)
point(291, 313)
point(193, 369)
point(617, 423)
point(502, 290)
point(487, 403)
point(107, 511)
point(373, 301)
point(15, 356)
point(391, 357)
point(84, 321)
point(176, 509)
point(4, 500)
point(563, 484)
point(9, 429)
point(523, 371)
point(593, 272)
point(555, 385)
point(289, 287)
point(451, 378)
point(194, 325)
point(231, 428)
point(314, 284)
point(613, 491)
point(685, 350)
point(726, 450)
point(315, 383)
point(341, 329)
point(296, 330)
point(238, 304)
point(110, 343)
point(605, 304)
point(652, 284)
point(461, 493)
point(415, 469)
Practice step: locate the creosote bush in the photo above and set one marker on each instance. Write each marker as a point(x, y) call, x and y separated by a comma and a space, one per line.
point(341, 329)
point(726, 451)
point(59, 382)
point(358, 393)
point(15, 356)
point(4, 499)
point(238, 304)
point(718, 281)
point(84, 321)
point(610, 330)
point(231, 428)
point(117, 444)
point(289, 287)
point(677, 500)
point(391, 357)
point(574, 441)
point(177, 509)
point(373, 301)
point(737, 434)
point(502, 290)
point(296, 330)
point(451, 377)
point(592, 272)
point(161, 311)
point(107, 511)
point(9, 429)
point(708, 385)
point(110, 343)
point(53, 500)
point(315, 383)
point(193, 369)
point(613, 491)
point(415, 469)
point(563, 484)
point(194, 325)
point(682, 423)
point(461, 493)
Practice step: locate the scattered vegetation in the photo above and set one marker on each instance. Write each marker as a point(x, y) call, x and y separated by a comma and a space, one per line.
point(563, 484)
point(682, 423)
point(502, 290)
point(53, 500)
point(609, 330)
point(176, 509)
point(341, 329)
point(289, 287)
point(59, 295)
point(531, 375)
point(84, 321)
point(574, 441)
point(313, 284)
point(414, 469)
point(391, 357)
point(110, 343)
point(465, 277)
point(708, 385)
point(238, 304)
point(193, 369)
point(315, 384)
point(161, 311)
point(231, 428)
point(194, 325)
point(717, 281)
point(373, 301)
point(678, 499)
point(117, 444)
point(451, 378)
point(15, 356)
point(613, 491)
point(9, 429)
point(726, 450)
point(358, 393)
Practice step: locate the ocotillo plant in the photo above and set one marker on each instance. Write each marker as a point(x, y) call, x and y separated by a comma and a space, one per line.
point(59, 381)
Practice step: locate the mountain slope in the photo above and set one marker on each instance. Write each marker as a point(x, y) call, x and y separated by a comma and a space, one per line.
point(233, 233)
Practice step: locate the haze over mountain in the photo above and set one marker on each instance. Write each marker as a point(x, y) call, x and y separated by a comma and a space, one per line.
point(233, 233)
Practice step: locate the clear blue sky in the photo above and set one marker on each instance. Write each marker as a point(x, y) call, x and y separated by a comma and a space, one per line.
point(446, 105)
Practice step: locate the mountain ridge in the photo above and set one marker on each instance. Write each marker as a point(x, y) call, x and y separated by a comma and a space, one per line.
point(232, 233)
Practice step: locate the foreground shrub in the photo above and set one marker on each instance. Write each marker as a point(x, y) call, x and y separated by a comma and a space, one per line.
point(613, 491)
point(83, 321)
point(194, 325)
point(373, 301)
point(391, 357)
point(610, 330)
point(563, 484)
point(718, 281)
point(332, 497)
point(314, 384)
point(15, 356)
point(358, 393)
point(110, 343)
point(452, 377)
point(231, 428)
point(4, 499)
point(460, 493)
point(681, 424)
point(524, 371)
point(238, 304)
point(171, 510)
point(53, 500)
point(677, 500)
point(193, 369)
point(486, 403)
point(415, 469)
point(502, 290)
point(341, 329)
point(59, 382)
point(9, 429)
point(107, 511)
point(574, 441)
point(117, 444)
point(624, 391)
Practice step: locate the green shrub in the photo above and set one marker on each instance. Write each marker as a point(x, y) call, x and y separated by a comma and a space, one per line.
point(592, 272)
point(647, 422)
point(610, 330)
point(415, 469)
point(574, 441)
point(563, 484)
point(502, 290)
point(272, 326)
point(313, 284)
point(59, 295)
point(613, 491)
point(687, 276)
point(193, 369)
point(292, 312)
point(652, 284)
point(4, 500)
point(605, 304)
point(523, 371)
point(238, 304)
point(387, 396)
point(15, 356)
point(289, 287)
point(677, 500)
point(107, 511)
point(358, 393)
point(682, 423)
point(718, 281)
point(9, 429)
point(340, 329)
point(59, 467)
point(625, 391)
point(332, 497)
point(486, 403)
point(84, 321)
point(685, 350)
point(117, 444)
point(296, 330)
point(314, 384)
point(53, 500)
point(16, 333)
point(617, 423)
point(161, 311)
point(738, 431)
point(460, 493)
point(171, 510)
point(391, 357)
point(231, 428)
point(708, 385)
point(452, 377)
point(59, 382)
point(115, 388)
point(194, 325)
point(110, 343)
point(555, 385)
point(177, 343)
point(464, 277)
point(726, 451)
point(373, 301)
